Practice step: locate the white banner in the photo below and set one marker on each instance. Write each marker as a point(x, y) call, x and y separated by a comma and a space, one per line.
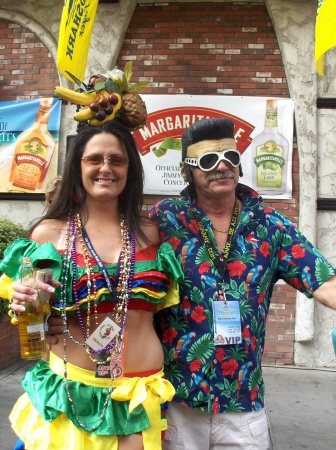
point(266, 151)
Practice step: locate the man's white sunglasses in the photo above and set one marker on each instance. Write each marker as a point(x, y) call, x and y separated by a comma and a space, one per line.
point(210, 160)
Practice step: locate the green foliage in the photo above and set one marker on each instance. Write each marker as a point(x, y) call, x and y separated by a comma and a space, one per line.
point(9, 231)
point(3, 306)
point(202, 349)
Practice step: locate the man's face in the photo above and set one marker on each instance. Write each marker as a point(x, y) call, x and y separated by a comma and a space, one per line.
point(223, 178)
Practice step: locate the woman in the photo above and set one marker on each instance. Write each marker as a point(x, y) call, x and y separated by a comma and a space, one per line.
point(112, 268)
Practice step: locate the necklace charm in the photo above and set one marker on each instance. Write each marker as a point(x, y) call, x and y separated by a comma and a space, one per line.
point(103, 335)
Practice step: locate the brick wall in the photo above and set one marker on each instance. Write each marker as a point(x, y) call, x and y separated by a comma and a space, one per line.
point(193, 49)
point(9, 342)
point(27, 69)
point(217, 49)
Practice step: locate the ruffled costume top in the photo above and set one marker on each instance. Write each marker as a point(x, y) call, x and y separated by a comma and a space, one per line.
point(155, 280)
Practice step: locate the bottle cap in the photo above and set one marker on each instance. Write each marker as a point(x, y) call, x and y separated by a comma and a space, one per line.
point(46, 101)
point(26, 259)
point(271, 104)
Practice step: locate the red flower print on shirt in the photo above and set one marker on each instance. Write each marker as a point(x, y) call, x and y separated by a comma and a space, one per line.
point(264, 249)
point(229, 367)
point(169, 335)
point(195, 365)
point(198, 314)
point(204, 267)
point(236, 268)
point(298, 251)
point(220, 353)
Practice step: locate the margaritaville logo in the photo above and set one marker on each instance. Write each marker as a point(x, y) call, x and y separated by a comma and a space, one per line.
point(164, 128)
point(268, 161)
point(32, 159)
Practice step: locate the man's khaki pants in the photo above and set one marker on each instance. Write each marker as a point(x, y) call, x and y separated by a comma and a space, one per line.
point(191, 429)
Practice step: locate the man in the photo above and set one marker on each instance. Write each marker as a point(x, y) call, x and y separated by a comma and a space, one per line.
point(233, 250)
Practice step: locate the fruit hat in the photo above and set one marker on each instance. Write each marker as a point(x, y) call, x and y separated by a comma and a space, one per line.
point(107, 97)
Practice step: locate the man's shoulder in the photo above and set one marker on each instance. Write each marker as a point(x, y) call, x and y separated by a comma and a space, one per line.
point(170, 202)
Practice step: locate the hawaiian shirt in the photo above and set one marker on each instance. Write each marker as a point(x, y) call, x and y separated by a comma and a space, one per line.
point(266, 247)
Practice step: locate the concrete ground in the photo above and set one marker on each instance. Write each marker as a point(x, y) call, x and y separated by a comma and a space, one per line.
point(300, 404)
point(301, 407)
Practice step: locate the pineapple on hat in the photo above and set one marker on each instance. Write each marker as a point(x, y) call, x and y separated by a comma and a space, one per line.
point(133, 111)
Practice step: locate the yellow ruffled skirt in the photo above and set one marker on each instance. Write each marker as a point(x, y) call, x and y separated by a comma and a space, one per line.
point(44, 420)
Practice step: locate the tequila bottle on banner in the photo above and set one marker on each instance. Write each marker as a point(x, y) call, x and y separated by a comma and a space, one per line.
point(31, 321)
point(270, 155)
point(33, 152)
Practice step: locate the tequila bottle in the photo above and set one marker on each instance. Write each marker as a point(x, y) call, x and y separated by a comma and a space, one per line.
point(33, 152)
point(270, 155)
point(31, 321)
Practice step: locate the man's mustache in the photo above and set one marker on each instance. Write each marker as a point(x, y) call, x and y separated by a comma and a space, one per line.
point(221, 176)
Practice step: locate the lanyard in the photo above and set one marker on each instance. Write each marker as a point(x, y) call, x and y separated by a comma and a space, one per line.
point(220, 265)
point(102, 265)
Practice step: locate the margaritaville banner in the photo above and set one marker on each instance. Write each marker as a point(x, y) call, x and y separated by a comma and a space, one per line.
point(29, 137)
point(263, 130)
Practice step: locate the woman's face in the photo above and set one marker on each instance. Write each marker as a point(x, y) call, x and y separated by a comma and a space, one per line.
point(105, 179)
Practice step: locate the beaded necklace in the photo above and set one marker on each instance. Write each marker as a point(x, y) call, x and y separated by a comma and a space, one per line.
point(123, 290)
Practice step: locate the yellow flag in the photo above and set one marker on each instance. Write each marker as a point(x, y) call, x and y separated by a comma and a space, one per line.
point(74, 37)
point(325, 31)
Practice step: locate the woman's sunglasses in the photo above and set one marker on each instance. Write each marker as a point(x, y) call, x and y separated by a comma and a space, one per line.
point(210, 160)
point(96, 159)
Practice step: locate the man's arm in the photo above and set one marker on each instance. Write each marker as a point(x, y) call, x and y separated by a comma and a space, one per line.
point(326, 294)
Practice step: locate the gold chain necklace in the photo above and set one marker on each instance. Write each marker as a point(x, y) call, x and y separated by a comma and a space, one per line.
point(224, 232)
point(219, 231)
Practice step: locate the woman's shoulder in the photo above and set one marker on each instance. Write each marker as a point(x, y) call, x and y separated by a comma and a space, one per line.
point(49, 230)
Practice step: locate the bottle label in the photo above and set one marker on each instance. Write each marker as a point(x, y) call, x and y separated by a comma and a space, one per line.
point(269, 163)
point(29, 164)
point(36, 328)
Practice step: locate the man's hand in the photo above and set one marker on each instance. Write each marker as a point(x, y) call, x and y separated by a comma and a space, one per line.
point(55, 326)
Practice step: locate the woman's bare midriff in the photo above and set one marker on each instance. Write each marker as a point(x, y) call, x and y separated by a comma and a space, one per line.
point(143, 348)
